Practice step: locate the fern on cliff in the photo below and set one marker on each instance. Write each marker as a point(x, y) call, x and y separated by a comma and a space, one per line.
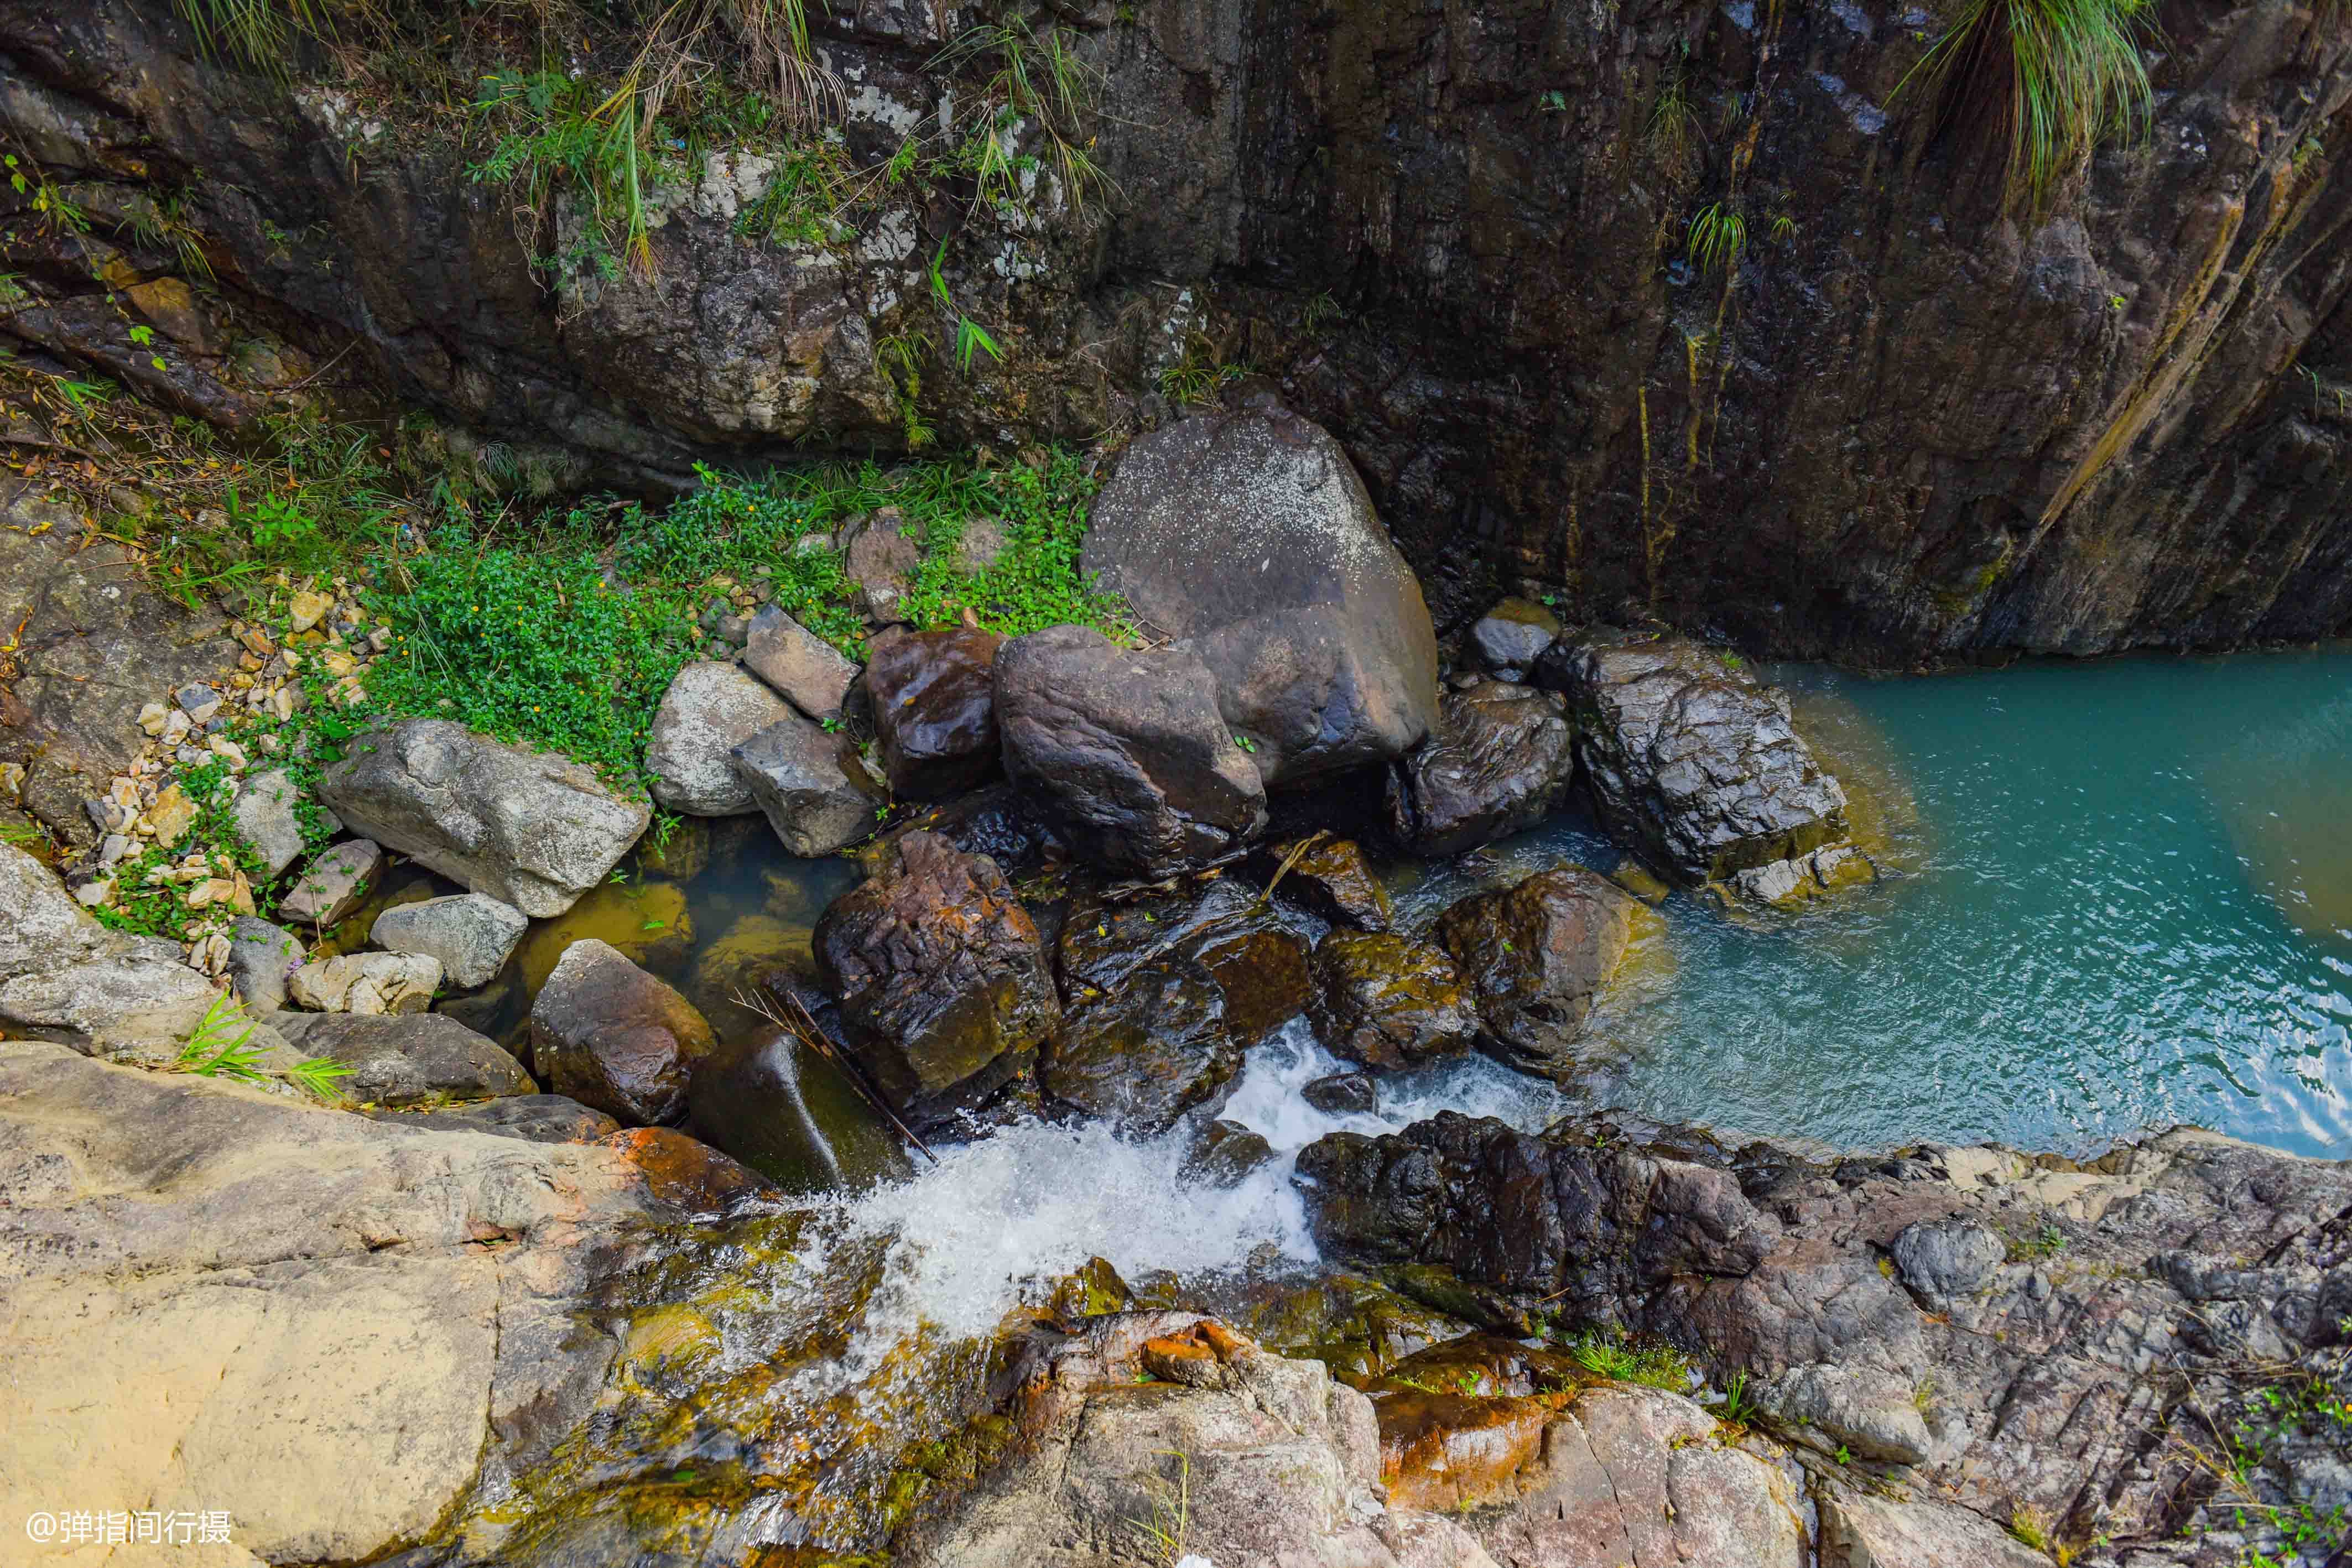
point(2055, 76)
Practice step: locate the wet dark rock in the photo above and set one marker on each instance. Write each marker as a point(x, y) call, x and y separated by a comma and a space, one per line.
point(418, 1059)
point(1257, 962)
point(1145, 1052)
point(1332, 879)
point(614, 1038)
point(1693, 763)
point(1534, 955)
point(1499, 761)
point(1248, 538)
point(781, 1108)
point(944, 989)
point(1125, 751)
point(1226, 1155)
point(934, 710)
point(1389, 1002)
point(534, 1118)
point(999, 820)
point(803, 667)
point(1507, 639)
point(1344, 1093)
point(709, 709)
point(809, 785)
point(527, 828)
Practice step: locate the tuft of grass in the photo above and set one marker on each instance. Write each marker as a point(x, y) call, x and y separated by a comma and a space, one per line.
point(259, 34)
point(1622, 1360)
point(1718, 237)
point(1198, 375)
point(2055, 78)
point(220, 1047)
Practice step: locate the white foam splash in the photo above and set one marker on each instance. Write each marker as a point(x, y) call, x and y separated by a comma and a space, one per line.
point(1034, 1202)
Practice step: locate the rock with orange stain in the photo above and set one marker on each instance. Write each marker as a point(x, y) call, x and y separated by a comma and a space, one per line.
point(686, 1173)
point(1449, 1451)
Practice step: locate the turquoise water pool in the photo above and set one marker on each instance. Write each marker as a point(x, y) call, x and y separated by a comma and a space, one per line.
point(2125, 897)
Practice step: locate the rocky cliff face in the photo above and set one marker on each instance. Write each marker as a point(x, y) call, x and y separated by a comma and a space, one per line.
point(1898, 425)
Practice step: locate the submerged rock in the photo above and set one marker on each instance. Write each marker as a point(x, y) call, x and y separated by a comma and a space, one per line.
point(1249, 538)
point(934, 710)
point(471, 934)
point(650, 925)
point(1499, 761)
point(1389, 1002)
point(1127, 751)
point(419, 1060)
point(779, 1107)
point(944, 990)
point(1343, 1094)
point(710, 708)
point(529, 830)
point(1536, 955)
point(809, 785)
point(615, 1038)
point(1692, 762)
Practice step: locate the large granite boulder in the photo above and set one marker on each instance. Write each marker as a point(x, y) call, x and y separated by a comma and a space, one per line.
point(1126, 750)
point(934, 710)
point(709, 709)
point(1534, 955)
point(529, 830)
point(471, 934)
point(65, 978)
point(424, 1058)
point(366, 983)
point(809, 784)
point(1389, 1002)
point(944, 989)
point(614, 1038)
point(1248, 538)
point(1499, 761)
point(1692, 762)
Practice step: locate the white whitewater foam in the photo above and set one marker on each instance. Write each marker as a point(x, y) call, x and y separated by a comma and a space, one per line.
point(1034, 1202)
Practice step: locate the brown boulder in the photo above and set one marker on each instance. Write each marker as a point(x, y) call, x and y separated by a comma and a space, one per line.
point(934, 710)
point(614, 1038)
point(1389, 1002)
point(1536, 955)
point(943, 984)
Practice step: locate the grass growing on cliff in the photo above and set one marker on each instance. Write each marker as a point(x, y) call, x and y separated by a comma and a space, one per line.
point(2053, 77)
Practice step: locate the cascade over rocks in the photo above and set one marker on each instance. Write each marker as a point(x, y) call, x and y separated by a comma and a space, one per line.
point(934, 710)
point(1248, 538)
point(1534, 955)
point(529, 830)
point(1499, 761)
point(1691, 761)
point(1125, 751)
point(782, 1109)
point(944, 989)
